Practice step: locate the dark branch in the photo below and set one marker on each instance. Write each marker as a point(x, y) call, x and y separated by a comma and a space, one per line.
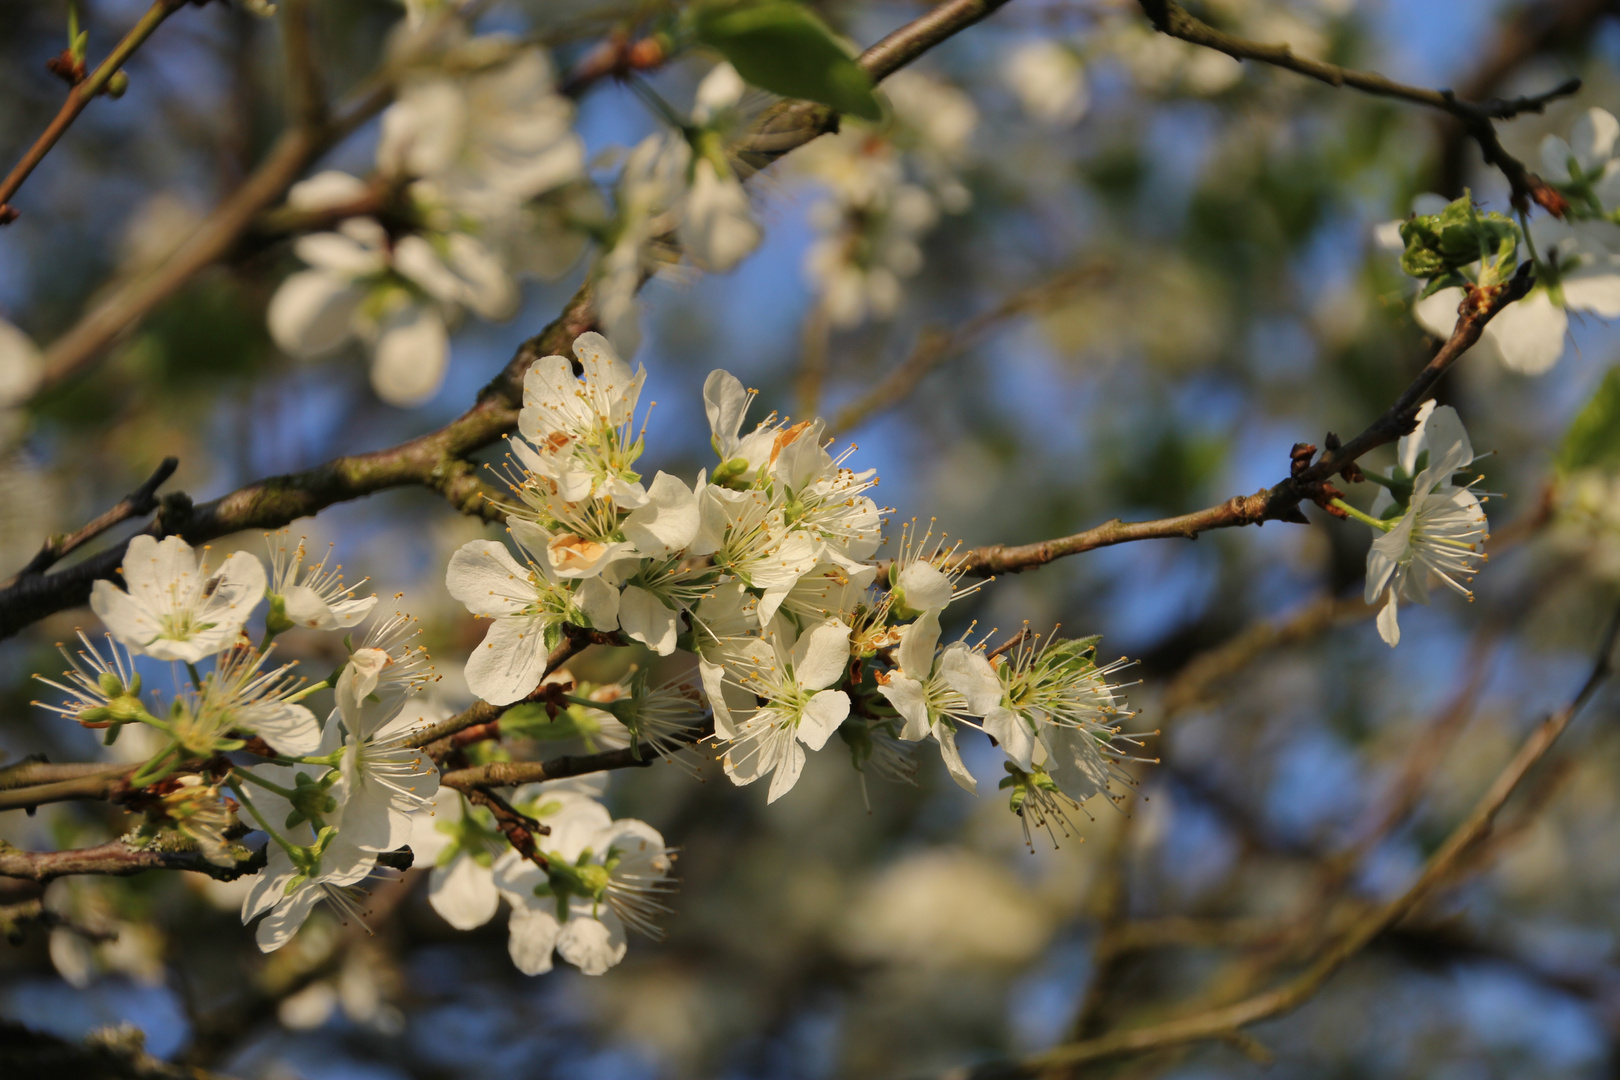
point(1476, 118)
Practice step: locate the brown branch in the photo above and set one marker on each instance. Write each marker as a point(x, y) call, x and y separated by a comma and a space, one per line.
point(1281, 501)
point(138, 503)
point(306, 96)
point(117, 859)
point(934, 347)
point(1477, 118)
point(78, 99)
point(1219, 1023)
point(437, 460)
point(1536, 28)
point(513, 773)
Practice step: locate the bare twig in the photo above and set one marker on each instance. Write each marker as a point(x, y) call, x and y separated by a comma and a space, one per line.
point(934, 347)
point(78, 98)
point(1476, 117)
point(138, 503)
point(1281, 501)
point(1219, 1023)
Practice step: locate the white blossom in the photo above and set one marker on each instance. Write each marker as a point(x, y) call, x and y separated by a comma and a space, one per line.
point(1050, 82)
point(312, 596)
point(602, 876)
point(529, 606)
point(934, 691)
point(175, 609)
point(1441, 528)
point(793, 679)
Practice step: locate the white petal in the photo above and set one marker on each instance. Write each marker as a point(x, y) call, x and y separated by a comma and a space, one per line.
point(953, 759)
point(463, 893)
point(510, 662)
point(1388, 628)
point(966, 671)
point(916, 651)
point(484, 576)
point(1009, 729)
point(1438, 313)
point(644, 618)
point(926, 587)
point(909, 700)
point(821, 655)
point(787, 771)
point(1529, 334)
point(410, 357)
point(598, 602)
point(326, 190)
point(531, 939)
point(725, 401)
point(822, 715)
point(669, 520)
point(280, 925)
point(1592, 138)
point(291, 729)
point(313, 312)
point(592, 945)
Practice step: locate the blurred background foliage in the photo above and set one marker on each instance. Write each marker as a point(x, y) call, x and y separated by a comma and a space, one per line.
point(1237, 305)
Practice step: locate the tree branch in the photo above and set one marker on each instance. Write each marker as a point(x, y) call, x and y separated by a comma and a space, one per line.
point(513, 773)
point(1281, 501)
point(1219, 1023)
point(1476, 118)
point(118, 859)
point(78, 99)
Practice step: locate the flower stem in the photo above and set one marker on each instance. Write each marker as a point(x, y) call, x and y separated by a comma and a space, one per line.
point(241, 797)
point(1362, 516)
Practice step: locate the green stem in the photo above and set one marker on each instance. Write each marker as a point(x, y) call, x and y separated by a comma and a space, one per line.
point(1361, 516)
point(196, 679)
point(241, 797)
point(251, 778)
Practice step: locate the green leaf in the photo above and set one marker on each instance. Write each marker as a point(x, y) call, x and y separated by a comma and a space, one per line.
point(782, 47)
point(1593, 438)
point(1438, 244)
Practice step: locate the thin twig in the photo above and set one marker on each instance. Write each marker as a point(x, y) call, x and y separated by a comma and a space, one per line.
point(118, 859)
point(1281, 501)
point(78, 98)
point(138, 503)
point(1476, 118)
point(934, 347)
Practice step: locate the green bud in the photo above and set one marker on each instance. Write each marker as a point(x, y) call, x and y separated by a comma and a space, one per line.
point(1440, 245)
point(117, 85)
point(729, 473)
point(111, 685)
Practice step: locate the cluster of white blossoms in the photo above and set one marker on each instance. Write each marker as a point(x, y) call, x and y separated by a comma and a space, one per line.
point(764, 569)
point(333, 796)
point(1577, 258)
point(885, 188)
point(478, 167)
point(481, 180)
point(596, 876)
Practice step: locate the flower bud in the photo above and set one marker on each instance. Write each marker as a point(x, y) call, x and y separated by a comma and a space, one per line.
point(117, 85)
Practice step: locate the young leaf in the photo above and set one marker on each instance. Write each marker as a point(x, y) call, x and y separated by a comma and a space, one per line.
point(782, 47)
